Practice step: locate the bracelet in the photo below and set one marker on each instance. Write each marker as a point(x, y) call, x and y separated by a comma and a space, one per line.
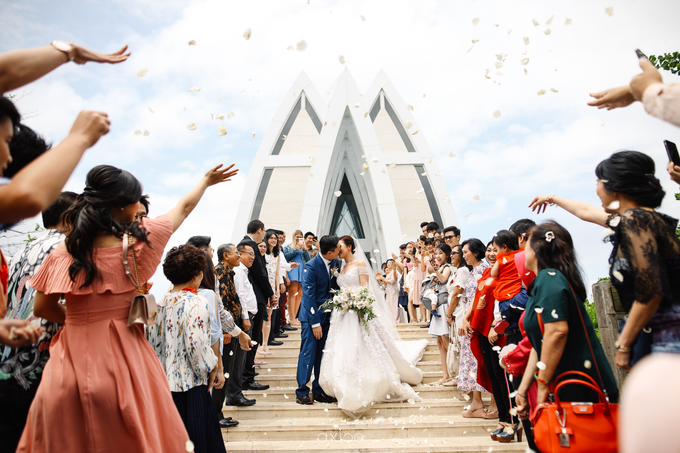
point(541, 381)
point(621, 348)
point(523, 396)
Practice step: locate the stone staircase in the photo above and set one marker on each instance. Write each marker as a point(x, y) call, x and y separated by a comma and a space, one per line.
point(278, 424)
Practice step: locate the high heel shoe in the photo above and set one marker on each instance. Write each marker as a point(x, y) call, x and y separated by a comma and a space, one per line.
point(495, 434)
point(506, 437)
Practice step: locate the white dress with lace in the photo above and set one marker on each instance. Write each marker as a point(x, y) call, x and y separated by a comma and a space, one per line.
point(361, 367)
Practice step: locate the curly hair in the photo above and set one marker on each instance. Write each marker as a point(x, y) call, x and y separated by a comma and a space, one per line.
point(183, 263)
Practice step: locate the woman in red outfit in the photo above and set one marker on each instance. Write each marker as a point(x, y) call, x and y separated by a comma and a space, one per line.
point(103, 389)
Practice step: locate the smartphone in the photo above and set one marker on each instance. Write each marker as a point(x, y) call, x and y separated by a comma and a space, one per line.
point(672, 152)
point(300, 241)
point(640, 54)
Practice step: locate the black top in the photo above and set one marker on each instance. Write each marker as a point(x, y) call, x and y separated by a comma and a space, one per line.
point(645, 260)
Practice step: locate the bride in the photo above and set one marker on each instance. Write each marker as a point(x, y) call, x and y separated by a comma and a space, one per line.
point(361, 367)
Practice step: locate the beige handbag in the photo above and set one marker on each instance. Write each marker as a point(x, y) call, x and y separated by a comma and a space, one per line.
point(453, 354)
point(143, 308)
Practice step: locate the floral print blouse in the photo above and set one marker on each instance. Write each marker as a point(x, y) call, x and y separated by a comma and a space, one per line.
point(473, 278)
point(272, 266)
point(181, 340)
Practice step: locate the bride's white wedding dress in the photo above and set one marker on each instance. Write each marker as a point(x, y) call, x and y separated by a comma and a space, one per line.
point(361, 367)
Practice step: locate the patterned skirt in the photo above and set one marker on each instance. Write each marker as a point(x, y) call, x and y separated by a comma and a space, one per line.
point(467, 374)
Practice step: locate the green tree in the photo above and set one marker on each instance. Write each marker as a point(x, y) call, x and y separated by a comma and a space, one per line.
point(668, 61)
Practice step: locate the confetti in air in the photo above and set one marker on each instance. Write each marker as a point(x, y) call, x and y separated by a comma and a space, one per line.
point(541, 92)
point(534, 22)
point(526, 40)
point(363, 19)
point(337, 193)
point(567, 22)
point(547, 31)
point(192, 42)
point(541, 366)
point(246, 34)
point(194, 89)
point(476, 198)
point(475, 21)
point(341, 59)
point(609, 11)
point(301, 46)
point(192, 126)
point(408, 124)
point(142, 73)
point(222, 130)
point(497, 114)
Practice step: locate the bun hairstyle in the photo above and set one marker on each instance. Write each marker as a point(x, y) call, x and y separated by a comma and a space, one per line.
point(631, 173)
point(183, 263)
point(554, 249)
point(349, 242)
point(106, 187)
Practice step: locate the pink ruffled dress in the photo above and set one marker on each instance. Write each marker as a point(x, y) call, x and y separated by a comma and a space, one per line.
point(103, 389)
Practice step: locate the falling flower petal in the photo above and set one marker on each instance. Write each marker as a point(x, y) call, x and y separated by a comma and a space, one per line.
point(496, 348)
point(538, 310)
point(476, 198)
point(283, 137)
point(376, 160)
point(614, 205)
point(138, 132)
point(376, 251)
point(420, 191)
point(290, 48)
point(554, 314)
point(392, 165)
point(614, 222)
point(409, 107)
point(451, 154)
point(408, 124)
point(423, 173)
point(311, 175)
point(439, 174)
point(541, 366)
point(362, 173)
point(311, 309)
point(535, 23)
point(192, 42)
point(526, 40)
point(513, 411)
point(189, 446)
point(246, 34)
point(525, 71)
point(192, 127)
point(415, 133)
point(567, 22)
point(337, 193)
point(142, 73)
point(357, 105)
point(194, 89)
point(554, 90)
point(301, 46)
point(617, 275)
point(286, 396)
point(230, 115)
point(541, 92)
point(497, 114)
point(373, 260)
point(222, 130)
point(524, 61)
point(312, 160)
point(146, 133)
point(151, 110)
point(253, 134)
point(551, 273)
point(549, 21)
point(609, 11)
point(385, 171)
point(341, 59)
point(475, 21)
point(365, 166)
point(363, 19)
point(547, 31)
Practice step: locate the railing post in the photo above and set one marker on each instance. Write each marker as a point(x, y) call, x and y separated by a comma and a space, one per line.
point(609, 312)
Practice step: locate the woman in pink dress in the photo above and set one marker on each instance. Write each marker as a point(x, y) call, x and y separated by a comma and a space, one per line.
point(103, 389)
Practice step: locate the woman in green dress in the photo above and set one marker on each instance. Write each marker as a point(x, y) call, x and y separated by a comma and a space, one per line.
point(554, 326)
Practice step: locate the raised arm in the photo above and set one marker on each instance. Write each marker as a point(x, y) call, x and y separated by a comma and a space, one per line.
point(189, 201)
point(581, 210)
point(20, 67)
point(37, 185)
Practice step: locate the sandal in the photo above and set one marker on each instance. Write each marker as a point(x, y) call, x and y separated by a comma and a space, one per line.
point(439, 382)
point(259, 362)
point(477, 413)
point(452, 382)
point(490, 415)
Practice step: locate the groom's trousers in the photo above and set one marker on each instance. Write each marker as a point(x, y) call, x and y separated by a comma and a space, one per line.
point(311, 351)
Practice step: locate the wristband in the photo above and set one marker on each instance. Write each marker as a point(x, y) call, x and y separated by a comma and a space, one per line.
point(523, 396)
point(621, 348)
point(541, 381)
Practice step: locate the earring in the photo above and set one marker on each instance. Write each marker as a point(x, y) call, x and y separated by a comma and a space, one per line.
point(122, 209)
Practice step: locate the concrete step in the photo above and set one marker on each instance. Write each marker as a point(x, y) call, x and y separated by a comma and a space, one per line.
point(290, 369)
point(290, 356)
point(294, 342)
point(465, 444)
point(286, 381)
point(371, 427)
point(318, 411)
point(278, 395)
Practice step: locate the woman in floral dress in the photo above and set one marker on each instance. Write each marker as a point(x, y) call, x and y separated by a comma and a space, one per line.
point(473, 254)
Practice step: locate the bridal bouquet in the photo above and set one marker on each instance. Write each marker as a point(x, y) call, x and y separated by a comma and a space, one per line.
point(358, 299)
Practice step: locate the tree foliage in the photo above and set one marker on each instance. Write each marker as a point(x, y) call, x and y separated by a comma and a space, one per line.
point(668, 61)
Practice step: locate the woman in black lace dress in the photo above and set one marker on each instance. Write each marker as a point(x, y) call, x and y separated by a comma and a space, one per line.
point(645, 260)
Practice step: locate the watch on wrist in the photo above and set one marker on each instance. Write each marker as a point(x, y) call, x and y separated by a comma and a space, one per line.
point(65, 47)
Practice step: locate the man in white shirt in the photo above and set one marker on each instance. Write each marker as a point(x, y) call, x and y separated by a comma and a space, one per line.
point(246, 295)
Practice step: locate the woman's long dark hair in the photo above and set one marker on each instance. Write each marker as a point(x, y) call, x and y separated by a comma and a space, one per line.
point(268, 234)
point(208, 281)
point(631, 173)
point(106, 188)
point(558, 253)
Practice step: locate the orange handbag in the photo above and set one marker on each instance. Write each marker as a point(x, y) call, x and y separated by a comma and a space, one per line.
point(573, 427)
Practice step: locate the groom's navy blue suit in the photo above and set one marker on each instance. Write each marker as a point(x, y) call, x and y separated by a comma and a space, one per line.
point(317, 283)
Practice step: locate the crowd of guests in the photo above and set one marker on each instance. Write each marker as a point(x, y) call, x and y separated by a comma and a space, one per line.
point(508, 316)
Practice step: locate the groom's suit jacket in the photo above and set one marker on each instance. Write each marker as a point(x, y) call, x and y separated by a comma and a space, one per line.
point(316, 289)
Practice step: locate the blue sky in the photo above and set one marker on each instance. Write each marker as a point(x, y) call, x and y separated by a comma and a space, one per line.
point(540, 144)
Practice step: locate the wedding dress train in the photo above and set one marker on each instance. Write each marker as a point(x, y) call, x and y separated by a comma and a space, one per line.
point(364, 366)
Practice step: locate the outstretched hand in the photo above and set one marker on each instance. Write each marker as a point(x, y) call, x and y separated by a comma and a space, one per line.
point(539, 204)
point(218, 174)
point(640, 82)
point(83, 55)
point(613, 98)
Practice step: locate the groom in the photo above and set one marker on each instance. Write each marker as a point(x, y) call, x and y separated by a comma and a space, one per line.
point(317, 282)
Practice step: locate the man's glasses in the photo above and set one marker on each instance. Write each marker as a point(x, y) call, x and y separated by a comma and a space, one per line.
point(448, 238)
point(249, 253)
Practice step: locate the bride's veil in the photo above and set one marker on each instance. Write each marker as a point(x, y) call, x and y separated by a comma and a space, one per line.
point(380, 307)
